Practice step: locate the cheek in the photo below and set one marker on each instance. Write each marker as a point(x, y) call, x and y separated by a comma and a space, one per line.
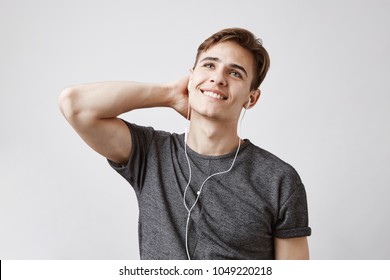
point(198, 77)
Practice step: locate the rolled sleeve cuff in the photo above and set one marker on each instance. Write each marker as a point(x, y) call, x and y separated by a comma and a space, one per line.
point(290, 233)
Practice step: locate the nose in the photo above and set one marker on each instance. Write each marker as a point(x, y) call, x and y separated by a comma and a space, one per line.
point(218, 78)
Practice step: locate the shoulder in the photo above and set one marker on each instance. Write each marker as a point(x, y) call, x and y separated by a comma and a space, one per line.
point(278, 178)
point(147, 131)
point(271, 174)
point(269, 163)
point(151, 137)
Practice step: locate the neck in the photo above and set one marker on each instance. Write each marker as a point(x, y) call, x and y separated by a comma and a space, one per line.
point(212, 138)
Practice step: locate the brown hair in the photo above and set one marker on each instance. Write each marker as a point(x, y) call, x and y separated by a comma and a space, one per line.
point(248, 41)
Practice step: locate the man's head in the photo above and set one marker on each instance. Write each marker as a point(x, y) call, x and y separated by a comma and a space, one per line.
point(230, 65)
point(248, 41)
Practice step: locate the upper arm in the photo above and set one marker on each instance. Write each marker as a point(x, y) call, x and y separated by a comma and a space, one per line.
point(110, 137)
point(296, 248)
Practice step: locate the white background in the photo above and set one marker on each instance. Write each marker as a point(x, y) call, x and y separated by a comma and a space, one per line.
point(324, 109)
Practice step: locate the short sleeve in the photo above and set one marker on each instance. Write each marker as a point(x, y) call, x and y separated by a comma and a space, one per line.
point(293, 215)
point(133, 171)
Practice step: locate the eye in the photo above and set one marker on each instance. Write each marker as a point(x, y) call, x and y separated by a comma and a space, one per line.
point(208, 65)
point(235, 74)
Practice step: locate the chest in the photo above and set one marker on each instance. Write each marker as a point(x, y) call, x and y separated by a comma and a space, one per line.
point(235, 214)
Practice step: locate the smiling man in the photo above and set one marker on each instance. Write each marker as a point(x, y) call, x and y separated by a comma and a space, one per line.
point(205, 194)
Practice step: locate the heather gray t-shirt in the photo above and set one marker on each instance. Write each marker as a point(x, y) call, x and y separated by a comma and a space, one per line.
point(238, 213)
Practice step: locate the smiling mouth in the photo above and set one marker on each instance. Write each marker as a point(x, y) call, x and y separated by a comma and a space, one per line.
point(213, 95)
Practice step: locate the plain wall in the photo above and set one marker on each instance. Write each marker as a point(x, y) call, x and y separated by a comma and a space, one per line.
point(324, 109)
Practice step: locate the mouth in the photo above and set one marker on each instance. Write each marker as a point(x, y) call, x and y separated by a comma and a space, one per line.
point(214, 94)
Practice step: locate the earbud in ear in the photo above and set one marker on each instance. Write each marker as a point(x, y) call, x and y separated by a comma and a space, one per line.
point(189, 84)
point(249, 102)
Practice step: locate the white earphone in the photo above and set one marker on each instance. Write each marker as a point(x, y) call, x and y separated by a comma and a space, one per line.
point(249, 103)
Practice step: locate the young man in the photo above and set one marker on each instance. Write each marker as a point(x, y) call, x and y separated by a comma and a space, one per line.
point(207, 194)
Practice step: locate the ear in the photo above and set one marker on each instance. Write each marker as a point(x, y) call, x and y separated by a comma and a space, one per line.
point(254, 97)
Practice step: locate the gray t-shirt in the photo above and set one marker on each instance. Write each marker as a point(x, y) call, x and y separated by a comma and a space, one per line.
point(238, 213)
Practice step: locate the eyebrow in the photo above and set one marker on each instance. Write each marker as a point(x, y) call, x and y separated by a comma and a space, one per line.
point(233, 65)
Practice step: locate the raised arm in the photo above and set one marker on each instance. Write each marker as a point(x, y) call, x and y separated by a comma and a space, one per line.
point(92, 110)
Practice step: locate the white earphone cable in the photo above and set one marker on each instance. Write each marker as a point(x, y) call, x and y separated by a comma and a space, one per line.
point(209, 177)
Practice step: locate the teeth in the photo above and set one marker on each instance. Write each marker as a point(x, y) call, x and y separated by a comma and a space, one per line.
point(213, 94)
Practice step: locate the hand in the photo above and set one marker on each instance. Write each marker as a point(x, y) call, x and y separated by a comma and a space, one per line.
point(179, 95)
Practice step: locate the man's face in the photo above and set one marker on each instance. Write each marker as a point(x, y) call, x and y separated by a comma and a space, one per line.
point(220, 82)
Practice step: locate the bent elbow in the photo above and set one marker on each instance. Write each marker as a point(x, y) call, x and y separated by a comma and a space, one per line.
point(67, 103)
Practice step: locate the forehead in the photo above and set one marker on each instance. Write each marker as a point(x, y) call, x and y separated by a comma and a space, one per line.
point(230, 53)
